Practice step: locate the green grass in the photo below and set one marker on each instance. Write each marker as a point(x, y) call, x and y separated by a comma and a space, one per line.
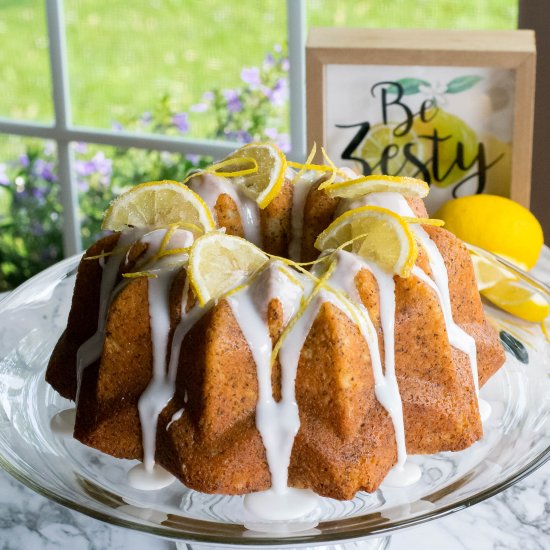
point(125, 55)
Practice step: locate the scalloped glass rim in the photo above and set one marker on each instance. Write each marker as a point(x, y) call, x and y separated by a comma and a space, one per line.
point(349, 529)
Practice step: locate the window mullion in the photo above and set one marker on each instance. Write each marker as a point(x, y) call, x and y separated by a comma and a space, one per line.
point(296, 30)
point(72, 242)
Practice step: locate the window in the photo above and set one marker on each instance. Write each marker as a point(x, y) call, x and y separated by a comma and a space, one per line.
point(150, 89)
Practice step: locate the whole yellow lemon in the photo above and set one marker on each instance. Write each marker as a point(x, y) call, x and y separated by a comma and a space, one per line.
point(497, 224)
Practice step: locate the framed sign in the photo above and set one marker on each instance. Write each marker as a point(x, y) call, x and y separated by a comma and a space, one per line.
point(454, 108)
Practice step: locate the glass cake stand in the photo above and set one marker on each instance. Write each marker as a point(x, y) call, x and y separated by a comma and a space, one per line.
point(516, 442)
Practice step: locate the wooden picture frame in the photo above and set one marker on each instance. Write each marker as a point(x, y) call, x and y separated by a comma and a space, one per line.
point(340, 60)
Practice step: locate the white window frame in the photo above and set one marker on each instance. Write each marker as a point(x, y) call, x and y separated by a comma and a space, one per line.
point(63, 132)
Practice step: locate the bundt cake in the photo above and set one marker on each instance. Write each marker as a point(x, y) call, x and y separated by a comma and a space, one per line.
point(321, 377)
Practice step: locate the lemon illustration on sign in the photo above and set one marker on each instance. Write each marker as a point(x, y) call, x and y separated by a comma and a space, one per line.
point(457, 132)
point(377, 140)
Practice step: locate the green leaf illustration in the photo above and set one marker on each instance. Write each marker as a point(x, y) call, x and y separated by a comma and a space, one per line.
point(410, 86)
point(462, 83)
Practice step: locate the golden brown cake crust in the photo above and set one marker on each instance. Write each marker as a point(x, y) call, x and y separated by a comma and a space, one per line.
point(82, 321)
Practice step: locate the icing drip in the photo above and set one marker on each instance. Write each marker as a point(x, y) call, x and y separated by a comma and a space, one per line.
point(149, 480)
point(175, 417)
point(458, 338)
point(62, 423)
point(278, 423)
point(209, 187)
point(386, 387)
point(300, 192)
point(161, 387)
point(90, 351)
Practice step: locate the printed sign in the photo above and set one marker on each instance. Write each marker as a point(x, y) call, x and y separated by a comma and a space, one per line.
point(454, 108)
point(451, 127)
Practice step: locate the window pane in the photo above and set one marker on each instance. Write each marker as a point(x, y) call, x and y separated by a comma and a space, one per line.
point(24, 63)
point(179, 67)
point(30, 211)
point(102, 173)
point(444, 14)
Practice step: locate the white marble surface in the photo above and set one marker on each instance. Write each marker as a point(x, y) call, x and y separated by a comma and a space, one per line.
point(518, 518)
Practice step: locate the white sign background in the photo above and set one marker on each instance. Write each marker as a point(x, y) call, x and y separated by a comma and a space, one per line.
point(487, 107)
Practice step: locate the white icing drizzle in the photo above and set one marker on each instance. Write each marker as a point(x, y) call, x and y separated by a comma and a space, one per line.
point(209, 187)
point(300, 191)
point(90, 351)
point(386, 387)
point(139, 477)
point(458, 338)
point(161, 388)
point(62, 423)
point(278, 423)
point(175, 417)
point(403, 476)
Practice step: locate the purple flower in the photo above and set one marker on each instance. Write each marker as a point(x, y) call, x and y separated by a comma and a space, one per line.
point(198, 108)
point(234, 104)
point(283, 142)
point(39, 193)
point(208, 96)
point(44, 170)
point(116, 126)
point(271, 133)
point(24, 160)
point(84, 167)
point(285, 64)
point(82, 185)
point(146, 117)
point(241, 136)
point(4, 180)
point(251, 76)
point(102, 164)
point(181, 121)
point(193, 159)
point(279, 93)
point(80, 147)
point(269, 61)
point(278, 48)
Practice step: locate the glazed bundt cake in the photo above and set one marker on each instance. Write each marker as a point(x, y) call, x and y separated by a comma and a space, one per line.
point(321, 376)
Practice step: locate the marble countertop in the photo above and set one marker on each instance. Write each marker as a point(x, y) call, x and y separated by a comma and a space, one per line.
point(518, 518)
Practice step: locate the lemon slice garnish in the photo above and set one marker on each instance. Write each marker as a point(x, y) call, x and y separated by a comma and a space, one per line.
point(158, 204)
point(377, 234)
point(355, 188)
point(490, 272)
point(264, 184)
point(220, 262)
point(519, 300)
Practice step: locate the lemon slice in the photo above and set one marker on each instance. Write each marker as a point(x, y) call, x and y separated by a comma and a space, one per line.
point(355, 188)
point(265, 183)
point(220, 262)
point(376, 234)
point(490, 272)
point(158, 204)
point(519, 300)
